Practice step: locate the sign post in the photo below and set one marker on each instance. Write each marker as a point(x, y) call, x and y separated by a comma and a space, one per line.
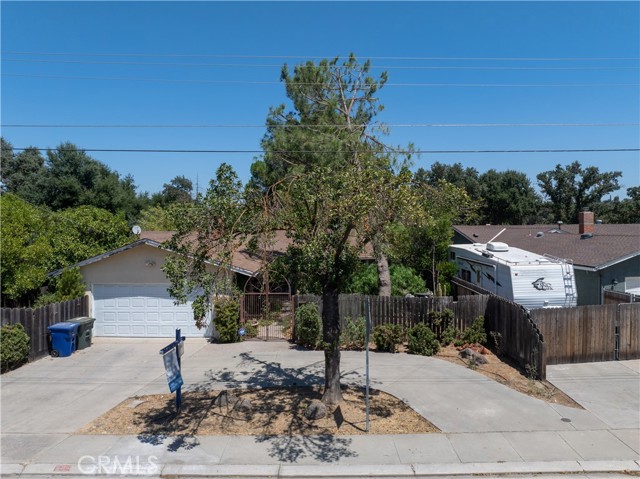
point(171, 355)
point(367, 316)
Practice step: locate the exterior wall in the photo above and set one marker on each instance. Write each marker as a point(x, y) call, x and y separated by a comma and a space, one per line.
point(619, 272)
point(590, 284)
point(128, 267)
point(588, 287)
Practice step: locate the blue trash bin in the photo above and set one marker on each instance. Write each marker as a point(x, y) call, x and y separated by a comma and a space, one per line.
point(63, 339)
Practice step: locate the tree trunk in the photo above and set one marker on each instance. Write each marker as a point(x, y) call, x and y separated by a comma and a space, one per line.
point(331, 337)
point(384, 276)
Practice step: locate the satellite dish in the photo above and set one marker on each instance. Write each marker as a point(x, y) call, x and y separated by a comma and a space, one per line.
point(136, 230)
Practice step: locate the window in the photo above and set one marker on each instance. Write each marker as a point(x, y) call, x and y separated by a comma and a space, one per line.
point(452, 255)
point(466, 275)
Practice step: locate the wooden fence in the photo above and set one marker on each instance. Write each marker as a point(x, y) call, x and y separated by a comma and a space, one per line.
point(628, 331)
point(35, 321)
point(617, 297)
point(581, 334)
point(578, 335)
point(406, 312)
point(517, 336)
point(520, 339)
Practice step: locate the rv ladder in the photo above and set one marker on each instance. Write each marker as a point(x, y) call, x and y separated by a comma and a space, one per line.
point(567, 276)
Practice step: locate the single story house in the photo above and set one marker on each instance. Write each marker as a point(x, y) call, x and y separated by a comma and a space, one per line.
point(128, 294)
point(604, 256)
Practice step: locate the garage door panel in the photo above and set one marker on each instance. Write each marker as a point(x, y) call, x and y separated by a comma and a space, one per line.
point(139, 330)
point(138, 302)
point(167, 303)
point(154, 331)
point(123, 302)
point(140, 311)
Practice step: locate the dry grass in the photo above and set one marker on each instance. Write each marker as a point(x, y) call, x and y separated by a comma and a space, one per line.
point(508, 374)
point(276, 411)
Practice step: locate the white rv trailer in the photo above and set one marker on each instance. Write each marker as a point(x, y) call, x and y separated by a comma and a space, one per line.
point(521, 276)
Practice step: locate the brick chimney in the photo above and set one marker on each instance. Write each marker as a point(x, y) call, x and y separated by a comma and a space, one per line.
point(585, 222)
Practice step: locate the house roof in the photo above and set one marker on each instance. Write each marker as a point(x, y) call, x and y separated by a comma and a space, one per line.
point(243, 258)
point(156, 242)
point(243, 261)
point(610, 243)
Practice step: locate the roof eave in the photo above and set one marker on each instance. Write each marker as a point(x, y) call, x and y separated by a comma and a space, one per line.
point(129, 246)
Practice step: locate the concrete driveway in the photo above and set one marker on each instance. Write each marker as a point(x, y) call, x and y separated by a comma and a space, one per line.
point(45, 402)
point(610, 390)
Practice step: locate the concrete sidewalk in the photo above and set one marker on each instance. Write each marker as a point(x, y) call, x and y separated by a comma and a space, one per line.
point(486, 427)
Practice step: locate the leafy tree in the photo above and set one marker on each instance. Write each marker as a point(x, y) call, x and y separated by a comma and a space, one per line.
point(23, 174)
point(572, 188)
point(158, 218)
point(625, 211)
point(75, 179)
point(327, 182)
point(456, 174)
point(207, 232)
point(69, 285)
point(508, 198)
point(24, 250)
point(178, 190)
point(36, 241)
point(425, 248)
point(76, 234)
point(403, 281)
point(6, 155)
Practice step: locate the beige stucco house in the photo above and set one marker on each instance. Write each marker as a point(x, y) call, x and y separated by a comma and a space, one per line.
point(128, 295)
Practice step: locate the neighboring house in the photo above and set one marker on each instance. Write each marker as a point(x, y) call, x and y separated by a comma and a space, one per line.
point(128, 289)
point(604, 256)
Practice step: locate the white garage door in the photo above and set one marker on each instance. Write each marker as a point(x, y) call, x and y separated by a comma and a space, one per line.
point(140, 311)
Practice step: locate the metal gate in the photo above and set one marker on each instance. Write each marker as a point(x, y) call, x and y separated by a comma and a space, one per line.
point(266, 314)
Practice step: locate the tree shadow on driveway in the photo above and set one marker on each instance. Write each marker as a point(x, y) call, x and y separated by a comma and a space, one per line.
point(251, 373)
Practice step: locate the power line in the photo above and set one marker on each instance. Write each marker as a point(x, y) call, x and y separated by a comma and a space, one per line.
point(392, 125)
point(252, 82)
point(273, 65)
point(136, 150)
point(303, 57)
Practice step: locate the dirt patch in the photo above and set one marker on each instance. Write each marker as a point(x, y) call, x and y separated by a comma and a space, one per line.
point(275, 412)
point(501, 370)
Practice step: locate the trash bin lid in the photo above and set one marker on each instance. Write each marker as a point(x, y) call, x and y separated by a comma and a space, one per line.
point(82, 320)
point(64, 327)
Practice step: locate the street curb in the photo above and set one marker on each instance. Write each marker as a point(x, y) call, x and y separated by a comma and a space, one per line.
point(341, 470)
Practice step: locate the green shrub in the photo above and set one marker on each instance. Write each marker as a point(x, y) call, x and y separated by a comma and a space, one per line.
point(226, 319)
point(14, 346)
point(69, 285)
point(421, 340)
point(250, 330)
point(450, 335)
point(387, 337)
point(354, 334)
point(475, 333)
point(308, 326)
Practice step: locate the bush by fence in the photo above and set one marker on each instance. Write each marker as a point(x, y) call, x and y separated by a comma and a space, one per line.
point(14, 346)
point(35, 321)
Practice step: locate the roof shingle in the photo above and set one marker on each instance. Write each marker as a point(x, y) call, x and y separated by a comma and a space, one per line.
point(610, 242)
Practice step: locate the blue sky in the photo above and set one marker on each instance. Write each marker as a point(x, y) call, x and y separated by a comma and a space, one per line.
point(166, 63)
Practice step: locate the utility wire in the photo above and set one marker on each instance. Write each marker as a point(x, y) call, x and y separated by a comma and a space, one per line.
point(250, 82)
point(273, 65)
point(303, 57)
point(135, 150)
point(296, 126)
